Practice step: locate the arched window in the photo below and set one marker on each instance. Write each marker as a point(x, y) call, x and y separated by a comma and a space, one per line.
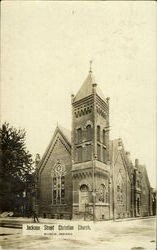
point(79, 135)
point(83, 197)
point(88, 133)
point(104, 137)
point(58, 184)
point(98, 133)
point(103, 193)
point(120, 189)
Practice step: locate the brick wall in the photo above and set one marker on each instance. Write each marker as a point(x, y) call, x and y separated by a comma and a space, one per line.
point(45, 181)
point(122, 187)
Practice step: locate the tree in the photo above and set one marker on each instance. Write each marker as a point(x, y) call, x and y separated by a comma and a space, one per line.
point(16, 167)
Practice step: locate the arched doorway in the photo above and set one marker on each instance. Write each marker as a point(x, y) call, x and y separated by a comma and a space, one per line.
point(83, 197)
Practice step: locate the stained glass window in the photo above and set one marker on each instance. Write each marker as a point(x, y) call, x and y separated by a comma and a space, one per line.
point(58, 184)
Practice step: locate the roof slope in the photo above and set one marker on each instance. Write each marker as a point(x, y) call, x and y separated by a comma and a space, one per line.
point(86, 88)
point(143, 170)
point(66, 135)
point(117, 147)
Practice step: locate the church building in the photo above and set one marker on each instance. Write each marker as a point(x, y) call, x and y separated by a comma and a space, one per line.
point(85, 176)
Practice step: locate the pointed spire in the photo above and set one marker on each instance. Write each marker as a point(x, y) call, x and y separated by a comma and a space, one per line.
point(87, 87)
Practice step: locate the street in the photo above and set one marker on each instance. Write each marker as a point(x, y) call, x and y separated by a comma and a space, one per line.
point(131, 234)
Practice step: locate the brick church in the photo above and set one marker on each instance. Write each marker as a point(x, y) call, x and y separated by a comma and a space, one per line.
point(85, 176)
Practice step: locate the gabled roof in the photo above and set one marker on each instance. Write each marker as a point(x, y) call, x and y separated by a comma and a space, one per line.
point(65, 134)
point(114, 145)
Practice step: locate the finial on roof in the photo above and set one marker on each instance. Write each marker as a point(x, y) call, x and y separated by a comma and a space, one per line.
point(90, 67)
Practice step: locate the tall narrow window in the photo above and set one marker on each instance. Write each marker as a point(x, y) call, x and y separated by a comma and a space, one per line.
point(102, 195)
point(83, 197)
point(104, 137)
point(58, 187)
point(79, 135)
point(98, 133)
point(79, 154)
point(88, 133)
point(120, 189)
point(99, 152)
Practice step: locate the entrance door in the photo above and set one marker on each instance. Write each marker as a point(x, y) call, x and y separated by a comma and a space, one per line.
point(83, 197)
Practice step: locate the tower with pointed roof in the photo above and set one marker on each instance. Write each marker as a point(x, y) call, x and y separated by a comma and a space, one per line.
point(83, 175)
point(90, 150)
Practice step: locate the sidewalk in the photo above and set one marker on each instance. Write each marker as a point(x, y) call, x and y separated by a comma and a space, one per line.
point(133, 234)
point(16, 222)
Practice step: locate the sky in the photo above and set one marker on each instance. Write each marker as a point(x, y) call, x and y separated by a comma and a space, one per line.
point(46, 47)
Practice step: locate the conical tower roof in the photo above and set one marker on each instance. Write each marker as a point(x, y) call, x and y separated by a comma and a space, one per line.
point(86, 88)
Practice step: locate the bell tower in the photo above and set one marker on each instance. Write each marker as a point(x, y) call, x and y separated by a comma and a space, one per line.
point(90, 151)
